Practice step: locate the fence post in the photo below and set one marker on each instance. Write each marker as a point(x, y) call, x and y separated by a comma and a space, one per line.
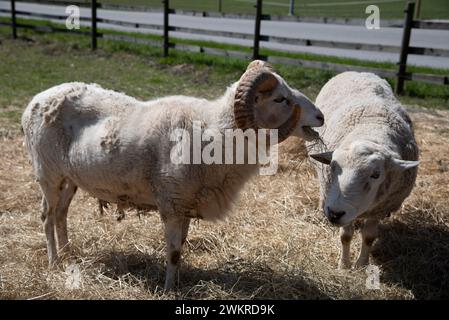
point(418, 9)
point(219, 6)
point(257, 30)
point(13, 19)
point(94, 24)
point(166, 27)
point(291, 11)
point(408, 21)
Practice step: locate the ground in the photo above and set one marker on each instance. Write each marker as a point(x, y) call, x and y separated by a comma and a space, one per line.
point(274, 244)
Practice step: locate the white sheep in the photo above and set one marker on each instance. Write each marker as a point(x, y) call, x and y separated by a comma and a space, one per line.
point(118, 149)
point(373, 163)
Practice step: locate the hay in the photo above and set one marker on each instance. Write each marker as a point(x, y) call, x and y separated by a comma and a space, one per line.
point(275, 244)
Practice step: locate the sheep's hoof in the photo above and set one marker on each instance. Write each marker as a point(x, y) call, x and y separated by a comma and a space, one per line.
point(344, 264)
point(361, 264)
point(53, 264)
point(169, 288)
point(63, 254)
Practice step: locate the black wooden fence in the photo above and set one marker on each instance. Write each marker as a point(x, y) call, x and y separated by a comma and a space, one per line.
point(405, 49)
point(94, 7)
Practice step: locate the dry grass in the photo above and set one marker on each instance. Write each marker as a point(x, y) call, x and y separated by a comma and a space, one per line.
point(275, 244)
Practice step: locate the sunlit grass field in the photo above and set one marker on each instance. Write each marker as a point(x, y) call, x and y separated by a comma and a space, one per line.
point(275, 244)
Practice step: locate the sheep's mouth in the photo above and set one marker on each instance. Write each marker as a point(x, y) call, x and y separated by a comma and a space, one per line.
point(309, 133)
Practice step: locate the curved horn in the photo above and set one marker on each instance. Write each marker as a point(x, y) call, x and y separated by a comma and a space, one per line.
point(257, 78)
point(257, 64)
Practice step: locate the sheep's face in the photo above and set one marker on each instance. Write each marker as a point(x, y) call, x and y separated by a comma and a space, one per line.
point(311, 116)
point(275, 108)
point(265, 101)
point(360, 176)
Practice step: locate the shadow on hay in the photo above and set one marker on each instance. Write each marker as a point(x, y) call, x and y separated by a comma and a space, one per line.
point(415, 257)
point(239, 279)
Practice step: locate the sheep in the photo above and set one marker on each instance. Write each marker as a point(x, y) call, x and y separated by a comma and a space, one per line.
point(372, 165)
point(117, 149)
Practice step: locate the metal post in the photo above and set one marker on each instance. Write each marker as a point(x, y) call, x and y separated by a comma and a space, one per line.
point(257, 30)
point(166, 39)
point(418, 10)
point(219, 6)
point(408, 21)
point(13, 19)
point(291, 11)
point(94, 24)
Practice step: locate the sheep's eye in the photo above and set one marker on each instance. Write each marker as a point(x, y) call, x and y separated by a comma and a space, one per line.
point(366, 187)
point(280, 100)
point(375, 175)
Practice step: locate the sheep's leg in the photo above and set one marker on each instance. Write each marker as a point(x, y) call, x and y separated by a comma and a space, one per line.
point(346, 234)
point(44, 206)
point(101, 206)
point(174, 227)
point(369, 234)
point(120, 213)
point(321, 203)
point(49, 204)
point(67, 191)
point(185, 230)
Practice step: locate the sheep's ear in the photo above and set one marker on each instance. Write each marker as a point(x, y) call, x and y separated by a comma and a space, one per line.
point(402, 165)
point(324, 157)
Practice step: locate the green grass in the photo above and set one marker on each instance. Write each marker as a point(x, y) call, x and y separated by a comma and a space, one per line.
point(14, 116)
point(430, 9)
point(41, 61)
point(38, 61)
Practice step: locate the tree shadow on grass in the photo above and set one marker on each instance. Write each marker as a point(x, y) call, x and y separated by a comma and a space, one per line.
point(415, 257)
point(238, 279)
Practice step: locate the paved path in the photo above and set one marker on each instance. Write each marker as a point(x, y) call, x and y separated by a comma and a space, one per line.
point(314, 31)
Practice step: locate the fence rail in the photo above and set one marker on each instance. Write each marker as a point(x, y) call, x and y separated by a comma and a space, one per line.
point(53, 29)
point(59, 3)
point(390, 23)
point(219, 14)
point(419, 24)
point(404, 48)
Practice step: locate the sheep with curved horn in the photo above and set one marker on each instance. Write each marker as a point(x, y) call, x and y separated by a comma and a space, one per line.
point(120, 150)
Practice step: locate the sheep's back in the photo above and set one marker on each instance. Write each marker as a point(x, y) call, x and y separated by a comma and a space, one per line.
point(352, 99)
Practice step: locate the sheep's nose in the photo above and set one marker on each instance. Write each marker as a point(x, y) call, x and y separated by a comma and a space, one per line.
point(320, 118)
point(334, 216)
